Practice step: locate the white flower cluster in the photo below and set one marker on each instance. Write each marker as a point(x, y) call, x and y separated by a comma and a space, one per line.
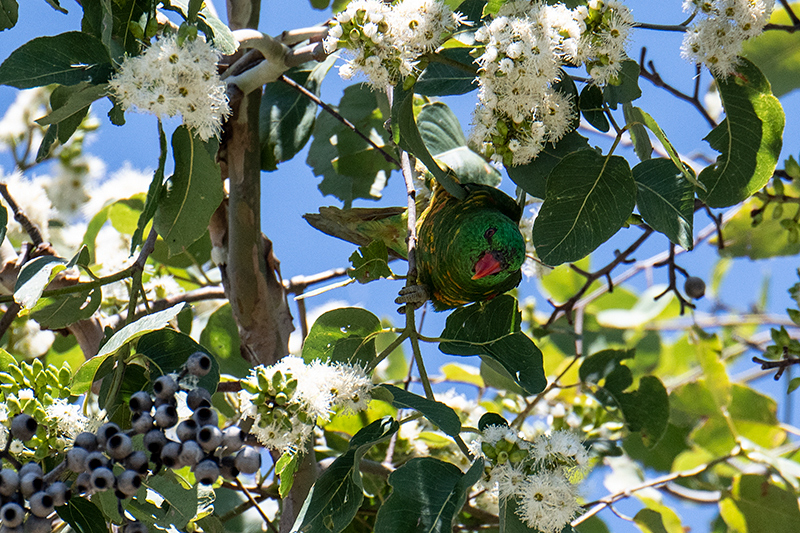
point(387, 41)
point(540, 475)
point(170, 79)
point(716, 38)
point(299, 395)
point(519, 108)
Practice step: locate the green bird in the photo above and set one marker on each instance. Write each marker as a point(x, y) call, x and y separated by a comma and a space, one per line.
point(468, 250)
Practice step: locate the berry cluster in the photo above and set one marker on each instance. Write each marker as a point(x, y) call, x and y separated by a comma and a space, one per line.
point(106, 459)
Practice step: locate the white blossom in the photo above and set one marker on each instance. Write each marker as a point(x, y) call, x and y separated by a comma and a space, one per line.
point(170, 79)
point(67, 418)
point(547, 502)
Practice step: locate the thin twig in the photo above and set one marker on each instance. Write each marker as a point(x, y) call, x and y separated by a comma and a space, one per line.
point(335, 114)
point(781, 364)
point(20, 216)
point(672, 285)
point(255, 504)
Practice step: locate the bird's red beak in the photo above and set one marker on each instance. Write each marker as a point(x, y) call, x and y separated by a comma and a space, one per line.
point(486, 266)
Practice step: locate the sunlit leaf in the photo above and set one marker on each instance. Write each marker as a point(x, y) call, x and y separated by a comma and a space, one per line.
point(346, 335)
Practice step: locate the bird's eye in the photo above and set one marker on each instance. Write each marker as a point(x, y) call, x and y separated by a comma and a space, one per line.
point(489, 234)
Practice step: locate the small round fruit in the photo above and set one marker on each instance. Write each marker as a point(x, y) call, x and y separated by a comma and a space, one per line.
point(248, 460)
point(140, 402)
point(197, 398)
point(41, 504)
point(102, 479)
point(206, 472)
point(232, 439)
point(170, 453)
point(36, 524)
point(94, 461)
point(83, 483)
point(105, 432)
point(205, 416)
point(191, 453)
point(12, 515)
point(30, 484)
point(9, 481)
point(165, 387)
point(128, 483)
point(87, 441)
point(76, 459)
point(166, 416)
point(209, 438)
point(227, 468)
point(198, 364)
point(23, 427)
point(186, 430)
point(141, 422)
point(59, 492)
point(154, 440)
point(135, 527)
point(137, 461)
point(31, 468)
point(694, 287)
point(119, 446)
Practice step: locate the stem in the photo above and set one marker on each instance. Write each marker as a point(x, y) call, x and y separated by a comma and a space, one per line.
point(254, 503)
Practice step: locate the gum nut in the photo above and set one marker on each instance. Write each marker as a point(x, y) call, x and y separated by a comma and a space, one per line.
point(128, 483)
point(206, 472)
point(248, 460)
point(31, 468)
point(154, 440)
point(205, 416)
point(9, 481)
point(209, 438)
point(94, 461)
point(191, 453)
point(102, 479)
point(198, 364)
point(36, 524)
point(60, 493)
point(198, 397)
point(227, 468)
point(170, 453)
point(83, 483)
point(30, 484)
point(137, 461)
point(141, 423)
point(23, 427)
point(105, 432)
point(232, 439)
point(87, 441)
point(76, 459)
point(41, 504)
point(165, 387)
point(186, 430)
point(140, 402)
point(12, 515)
point(119, 446)
point(166, 416)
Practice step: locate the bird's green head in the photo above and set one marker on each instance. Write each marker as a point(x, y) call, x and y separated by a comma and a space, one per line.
point(489, 248)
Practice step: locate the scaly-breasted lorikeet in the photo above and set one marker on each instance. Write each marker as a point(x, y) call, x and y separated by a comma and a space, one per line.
point(468, 250)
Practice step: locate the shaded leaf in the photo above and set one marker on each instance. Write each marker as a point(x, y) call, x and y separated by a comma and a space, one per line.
point(437, 412)
point(221, 337)
point(168, 350)
point(370, 263)
point(492, 329)
point(154, 192)
point(82, 516)
point(641, 141)
point(532, 177)
point(427, 495)
point(628, 88)
point(286, 118)
point(33, 278)
point(346, 335)
point(443, 78)
point(337, 494)
point(192, 195)
point(591, 107)
point(75, 99)
point(589, 197)
point(749, 139)
point(9, 14)
point(207, 22)
point(769, 238)
point(665, 200)
point(66, 59)
point(61, 311)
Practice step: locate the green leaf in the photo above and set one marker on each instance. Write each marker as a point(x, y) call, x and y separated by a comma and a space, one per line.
point(351, 168)
point(441, 132)
point(665, 200)
point(749, 139)
point(82, 516)
point(193, 194)
point(589, 197)
point(641, 141)
point(532, 177)
point(286, 118)
point(9, 14)
point(628, 88)
point(427, 495)
point(346, 335)
point(769, 238)
point(337, 494)
point(407, 136)
point(207, 22)
point(444, 78)
point(285, 468)
point(60, 311)
point(180, 503)
point(760, 506)
point(68, 101)
point(67, 59)
point(709, 349)
point(221, 337)
point(168, 350)
point(651, 521)
point(3, 223)
point(84, 377)
point(793, 384)
point(33, 278)
point(510, 521)
point(437, 412)
point(154, 192)
point(777, 53)
point(591, 107)
point(370, 263)
point(492, 329)
point(646, 409)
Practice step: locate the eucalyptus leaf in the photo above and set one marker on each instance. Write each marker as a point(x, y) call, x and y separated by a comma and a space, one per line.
point(492, 330)
point(193, 194)
point(589, 197)
point(762, 506)
point(665, 200)
point(83, 516)
point(9, 14)
point(57, 312)
point(34, 276)
point(154, 192)
point(777, 53)
point(437, 412)
point(221, 337)
point(346, 335)
point(590, 104)
point(370, 263)
point(450, 71)
point(749, 139)
point(627, 88)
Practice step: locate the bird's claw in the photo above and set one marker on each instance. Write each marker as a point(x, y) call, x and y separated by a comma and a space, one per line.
point(414, 295)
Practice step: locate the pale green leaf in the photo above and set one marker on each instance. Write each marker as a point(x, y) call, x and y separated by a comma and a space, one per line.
point(34, 277)
point(777, 53)
point(345, 335)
